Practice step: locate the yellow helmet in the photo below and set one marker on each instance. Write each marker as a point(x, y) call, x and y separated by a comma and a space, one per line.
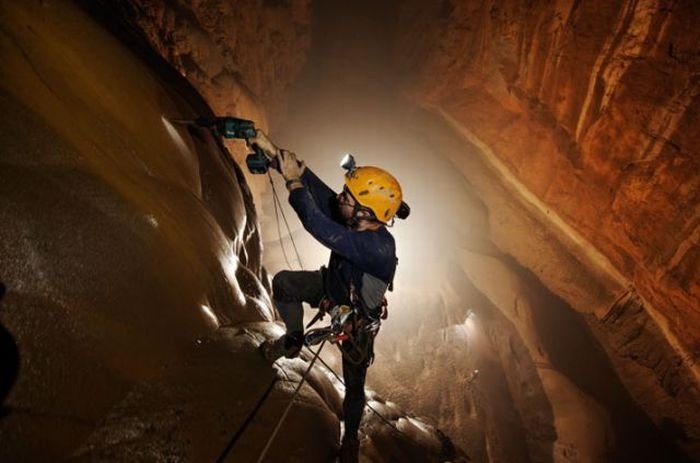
point(375, 189)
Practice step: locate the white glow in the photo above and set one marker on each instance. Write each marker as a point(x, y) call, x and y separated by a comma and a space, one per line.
point(424, 427)
point(469, 322)
point(445, 216)
point(461, 332)
point(176, 137)
point(151, 219)
point(348, 162)
point(229, 263)
point(470, 319)
point(209, 314)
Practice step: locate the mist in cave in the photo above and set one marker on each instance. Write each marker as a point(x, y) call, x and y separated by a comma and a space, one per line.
point(538, 314)
point(441, 354)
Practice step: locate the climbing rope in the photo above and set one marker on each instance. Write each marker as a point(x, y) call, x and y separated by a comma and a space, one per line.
point(279, 211)
point(382, 417)
point(247, 421)
point(275, 202)
point(289, 405)
point(278, 207)
point(260, 403)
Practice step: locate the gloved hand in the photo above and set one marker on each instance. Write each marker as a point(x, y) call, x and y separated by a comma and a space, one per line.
point(263, 141)
point(290, 168)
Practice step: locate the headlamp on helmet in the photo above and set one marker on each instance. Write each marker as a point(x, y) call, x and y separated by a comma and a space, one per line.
point(348, 162)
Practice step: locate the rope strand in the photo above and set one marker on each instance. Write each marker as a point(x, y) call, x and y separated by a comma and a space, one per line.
point(389, 423)
point(286, 223)
point(382, 417)
point(289, 405)
point(247, 421)
point(275, 202)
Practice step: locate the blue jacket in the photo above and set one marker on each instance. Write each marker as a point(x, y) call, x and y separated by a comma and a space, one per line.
point(353, 253)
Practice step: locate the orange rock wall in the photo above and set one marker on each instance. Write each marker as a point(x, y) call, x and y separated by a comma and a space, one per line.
point(594, 107)
point(131, 260)
point(234, 52)
point(241, 56)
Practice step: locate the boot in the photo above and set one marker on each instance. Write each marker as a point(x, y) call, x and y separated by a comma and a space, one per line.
point(350, 450)
point(288, 345)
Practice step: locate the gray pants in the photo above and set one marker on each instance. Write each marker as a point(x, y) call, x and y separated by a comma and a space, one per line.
point(289, 290)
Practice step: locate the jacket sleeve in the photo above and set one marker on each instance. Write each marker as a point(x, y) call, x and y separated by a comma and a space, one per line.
point(320, 192)
point(331, 234)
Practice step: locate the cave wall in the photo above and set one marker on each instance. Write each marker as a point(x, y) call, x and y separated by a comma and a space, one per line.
point(587, 114)
point(241, 56)
point(576, 126)
point(593, 110)
point(547, 389)
point(131, 268)
point(123, 238)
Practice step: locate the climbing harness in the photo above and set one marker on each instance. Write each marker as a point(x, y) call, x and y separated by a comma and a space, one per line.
point(335, 332)
point(354, 335)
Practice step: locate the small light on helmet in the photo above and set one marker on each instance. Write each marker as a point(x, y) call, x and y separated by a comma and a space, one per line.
point(348, 162)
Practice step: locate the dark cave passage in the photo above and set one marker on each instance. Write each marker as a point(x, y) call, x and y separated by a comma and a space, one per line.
point(546, 300)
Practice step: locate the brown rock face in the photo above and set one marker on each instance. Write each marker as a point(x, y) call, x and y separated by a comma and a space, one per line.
point(241, 56)
point(588, 112)
point(131, 273)
point(546, 305)
point(594, 112)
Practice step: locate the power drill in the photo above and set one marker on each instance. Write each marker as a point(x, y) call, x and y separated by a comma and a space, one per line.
point(232, 127)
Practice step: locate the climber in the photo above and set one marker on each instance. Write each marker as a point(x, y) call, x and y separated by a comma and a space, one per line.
point(352, 225)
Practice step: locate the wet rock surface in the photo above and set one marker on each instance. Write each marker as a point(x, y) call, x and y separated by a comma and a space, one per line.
point(482, 339)
point(598, 95)
point(132, 260)
point(241, 56)
point(546, 297)
point(586, 112)
point(560, 369)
